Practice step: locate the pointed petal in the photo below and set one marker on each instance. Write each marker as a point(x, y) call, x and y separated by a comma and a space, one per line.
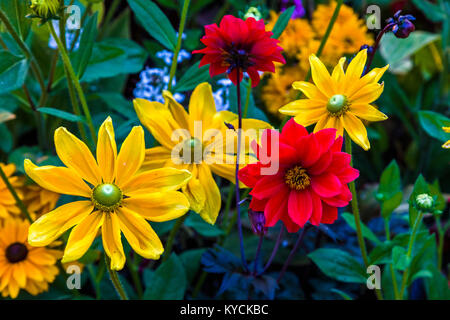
point(321, 77)
point(112, 242)
point(213, 199)
point(131, 156)
point(107, 151)
point(367, 112)
point(356, 130)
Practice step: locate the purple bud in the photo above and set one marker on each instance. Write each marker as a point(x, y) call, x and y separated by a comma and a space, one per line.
point(258, 221)
point(403, 28)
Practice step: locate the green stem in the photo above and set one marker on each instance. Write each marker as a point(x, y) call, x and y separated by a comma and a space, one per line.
point(115, 279)
point(172, 235)
point(11, 189)
point(412, 238)
point(391, 267)
point(173, 67)
point(76, 81)
point(247, 98)
point(355, 209)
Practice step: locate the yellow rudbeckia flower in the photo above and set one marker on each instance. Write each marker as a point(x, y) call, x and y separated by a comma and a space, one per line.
point(119, 198)
point(197, 130)
point(45, 8)
point(339, 100)
point(23, 267)
point(7, 203)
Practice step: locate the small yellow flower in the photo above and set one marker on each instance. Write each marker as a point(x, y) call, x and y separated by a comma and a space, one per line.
point(38, 200)
point(447, 144)
point(7, 202)
point(119, 198)
point(45, 8)
point(196, 129)
point(21, 265)
point(341, 100)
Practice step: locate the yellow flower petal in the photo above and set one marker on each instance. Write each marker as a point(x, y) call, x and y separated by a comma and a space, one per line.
point(131, 156)
point(367, 94)
point(112, 242)
point(297, 106)
point(373, 76)
point(356, 130)
point(202, 106)
point(213, 200)
point(310, 90)
point(338, 71)
point(321, 77)
point(157, 118)
point(107, 151)
point(178, 112)
point(156, 157)
point(157, 180)
point(52, 225)
point(57, 179)
point(139, 234)
point(322, 122)
point(158, 206)
point(81, 236)
point(356, 67)
point(19, 274)
point(309, 117)
point(195, 194)
point(77, 156)
point(367, 112)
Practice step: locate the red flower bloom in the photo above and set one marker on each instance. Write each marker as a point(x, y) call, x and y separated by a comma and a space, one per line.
point(311, 181)
point(239, 45)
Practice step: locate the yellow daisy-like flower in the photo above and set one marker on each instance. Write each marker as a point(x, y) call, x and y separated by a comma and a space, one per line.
point(38, 200)
point(196, 131)
point(339, 100)
point(447, 144)
point(45, 8)
point(21, 265)
point(119, 198)
point(7, 201)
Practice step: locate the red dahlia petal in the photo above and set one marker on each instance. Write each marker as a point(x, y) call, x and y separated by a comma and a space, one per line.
point(316, 215)
point(348, 175)
point(326, 138)
point(300, 206)
point(329, 214)
point(292, 131)
point(290, 225)
point(258, 205)
point(250, 174)
point(275, 207)
point(321, 165)
point(337, 146)
point(341, 200)
point(268, 186)
point(326, 185)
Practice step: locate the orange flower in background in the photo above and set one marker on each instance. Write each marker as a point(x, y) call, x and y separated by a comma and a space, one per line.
point(7, 201)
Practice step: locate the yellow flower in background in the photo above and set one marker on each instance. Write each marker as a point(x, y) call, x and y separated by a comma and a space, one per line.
point(447, 144)
point(38, 200)
point(7, 202)
point(45, 8)
point(163, 120)
point(119, 198)
point(341, 100)
point(278, 90)
point(21, 265)
point(330, 55)
point(297, 34)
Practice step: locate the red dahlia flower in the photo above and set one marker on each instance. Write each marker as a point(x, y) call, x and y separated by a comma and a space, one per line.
point(238, 45)
point(311, 181)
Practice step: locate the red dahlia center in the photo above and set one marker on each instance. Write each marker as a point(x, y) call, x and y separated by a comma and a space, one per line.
point(236, 57)
point(16, 252)
point(297, 178)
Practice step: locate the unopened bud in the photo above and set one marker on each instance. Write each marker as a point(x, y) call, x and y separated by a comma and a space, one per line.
point(424, 201)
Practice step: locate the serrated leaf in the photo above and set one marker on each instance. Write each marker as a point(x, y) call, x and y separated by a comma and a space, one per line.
point(282, 22)
point(155, 22)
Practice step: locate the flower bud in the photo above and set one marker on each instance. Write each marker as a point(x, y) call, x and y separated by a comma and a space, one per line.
point(424, 202)
point(45, 9)
point(253, 12)
point(258, 221)
point(402, 25)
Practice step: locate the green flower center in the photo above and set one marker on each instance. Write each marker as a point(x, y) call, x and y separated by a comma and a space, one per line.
point(337, 104)
point(107, 197)
point(297, 178)
point(16, 252)
point(192, 151)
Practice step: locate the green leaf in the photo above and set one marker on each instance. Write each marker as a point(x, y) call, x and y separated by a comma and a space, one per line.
point(203, 228)
point(400, 260)
point(81, 57)
point(388, 206)
point(191, 260)
point(394, 50)
point(381, 254)
point(192, 77)
point(61, 114)
point(118, 103)
point(16, 10)
point(390, 181)
point(432, 122)
point(168, 282)
point(339, 265)
point(367, 233)
point(430, 10)
point(6, 139)
point(282, 22)
point(13, 71)
point(155, 22)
